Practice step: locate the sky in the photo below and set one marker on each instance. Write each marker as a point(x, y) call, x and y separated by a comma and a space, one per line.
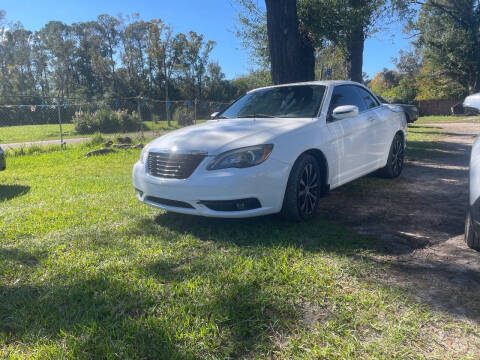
point(216, 19)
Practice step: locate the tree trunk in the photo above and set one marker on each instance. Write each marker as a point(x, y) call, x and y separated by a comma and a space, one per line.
point(355, 54)
point(291, 56)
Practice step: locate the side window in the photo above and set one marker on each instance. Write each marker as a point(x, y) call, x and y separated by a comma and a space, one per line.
point(346, 95)
point(369, 100)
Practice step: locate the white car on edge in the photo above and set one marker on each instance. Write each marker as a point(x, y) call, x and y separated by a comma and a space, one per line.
point(275, 150)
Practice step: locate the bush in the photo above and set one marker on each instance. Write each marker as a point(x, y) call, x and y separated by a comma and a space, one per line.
point(84, 122)
point(183, 116)
point(96, 139)
point(128, 122)
point(105, 121)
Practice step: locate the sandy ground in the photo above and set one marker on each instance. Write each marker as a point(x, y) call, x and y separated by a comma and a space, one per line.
point(418, 223)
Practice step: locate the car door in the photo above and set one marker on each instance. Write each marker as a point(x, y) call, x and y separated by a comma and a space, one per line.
point(378, 133)
point(348, 137)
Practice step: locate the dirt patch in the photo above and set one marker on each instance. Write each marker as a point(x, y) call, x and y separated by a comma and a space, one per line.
point(417, 221)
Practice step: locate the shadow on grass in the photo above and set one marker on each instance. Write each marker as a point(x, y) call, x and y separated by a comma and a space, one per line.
point(267, 231)
point(20, 256)
point(8, 192)
point(101, 317)
point(441, 153)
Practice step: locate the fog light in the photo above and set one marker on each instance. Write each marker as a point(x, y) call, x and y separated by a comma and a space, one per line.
point(232, 205)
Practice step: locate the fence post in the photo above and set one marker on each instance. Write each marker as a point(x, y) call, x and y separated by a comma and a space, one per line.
point(140, 117)
point(60, 123)
point(195, 118)
point(167, 111)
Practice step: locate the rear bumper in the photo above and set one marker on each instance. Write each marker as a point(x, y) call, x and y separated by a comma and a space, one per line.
point(265, 183)
point(470, 110)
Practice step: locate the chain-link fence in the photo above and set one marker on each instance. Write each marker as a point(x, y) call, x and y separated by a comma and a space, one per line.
point(33, 120)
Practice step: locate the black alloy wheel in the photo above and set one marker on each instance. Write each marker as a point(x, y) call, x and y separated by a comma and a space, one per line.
point(308, 190)
point(396, 158)
point(398, 155)
point(303, 189)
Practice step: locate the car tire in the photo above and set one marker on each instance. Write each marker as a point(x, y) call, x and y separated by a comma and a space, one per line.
point(303, 190)
point(472, 238)
point(396, 158)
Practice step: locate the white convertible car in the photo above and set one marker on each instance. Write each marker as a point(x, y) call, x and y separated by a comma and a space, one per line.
point(275, 150)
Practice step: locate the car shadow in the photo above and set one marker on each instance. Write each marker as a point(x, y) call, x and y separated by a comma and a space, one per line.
point(315, 235)
point(9, 192)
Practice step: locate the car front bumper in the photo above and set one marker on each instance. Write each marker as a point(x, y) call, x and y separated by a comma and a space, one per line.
point(265, 182)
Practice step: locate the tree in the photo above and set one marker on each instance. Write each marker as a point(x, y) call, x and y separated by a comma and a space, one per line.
point(164, 49)
point(252, 32)
point(107, 59)
point(348, 23)
point(409, 63)
point(449, 39)
point(340, 24)
point(291, 53)
point(59, 45)
point(110, 29)
point(195, 53)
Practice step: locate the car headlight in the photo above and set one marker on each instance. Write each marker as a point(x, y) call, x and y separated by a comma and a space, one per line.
point(241, 158)
point(144, 155)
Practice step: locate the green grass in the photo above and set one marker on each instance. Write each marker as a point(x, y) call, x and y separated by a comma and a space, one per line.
point(87, 272)
point(423, 142)
point(447, 119)
point(29, 133)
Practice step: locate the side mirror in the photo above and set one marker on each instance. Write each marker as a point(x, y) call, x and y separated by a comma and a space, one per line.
point(344, 112)
point(214, 115)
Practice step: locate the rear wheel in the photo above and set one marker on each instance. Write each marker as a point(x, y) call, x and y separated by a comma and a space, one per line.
point(396, 158)
point(303, 189)
point(471, 236)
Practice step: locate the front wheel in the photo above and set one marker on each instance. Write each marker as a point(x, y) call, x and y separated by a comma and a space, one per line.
point(303, 189)
point(396, 158)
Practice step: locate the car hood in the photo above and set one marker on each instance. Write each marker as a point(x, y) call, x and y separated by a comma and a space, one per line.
point(216, 136)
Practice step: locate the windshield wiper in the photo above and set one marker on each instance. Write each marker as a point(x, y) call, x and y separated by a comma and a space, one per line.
point(221, 117)
point(257, 116)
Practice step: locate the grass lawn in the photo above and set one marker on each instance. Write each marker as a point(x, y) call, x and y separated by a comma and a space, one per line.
point(87, 272)
point(28, 133)
point(447, 119)
point(422, 141)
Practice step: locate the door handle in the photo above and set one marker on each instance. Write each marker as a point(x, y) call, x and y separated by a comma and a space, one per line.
point(371, 119)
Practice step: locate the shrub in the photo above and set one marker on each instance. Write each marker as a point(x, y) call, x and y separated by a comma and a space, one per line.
point(105, 121)
point(96, 139)
point(128, 122)
point(183, 116)
point(85, 122)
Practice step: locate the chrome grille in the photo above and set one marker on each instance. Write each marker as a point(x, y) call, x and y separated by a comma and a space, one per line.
point(172, 166)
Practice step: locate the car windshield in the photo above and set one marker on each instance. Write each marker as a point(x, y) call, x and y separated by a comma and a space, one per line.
point(298, 101)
